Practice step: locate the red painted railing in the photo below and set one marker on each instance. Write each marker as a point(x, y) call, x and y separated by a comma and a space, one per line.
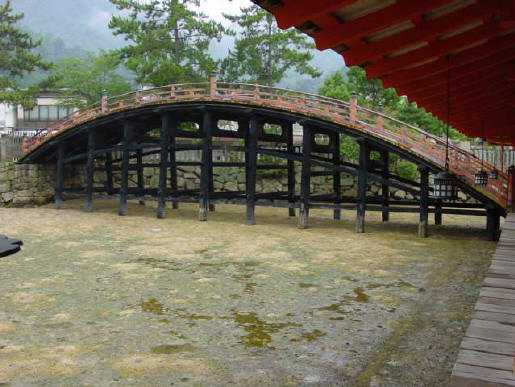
point(400, 134)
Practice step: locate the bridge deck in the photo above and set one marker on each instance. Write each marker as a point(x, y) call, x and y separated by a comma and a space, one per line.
point(487, 351)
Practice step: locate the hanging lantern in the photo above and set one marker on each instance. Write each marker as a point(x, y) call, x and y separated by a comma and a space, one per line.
point(445, 186)
point(494, 174)
point(481, 177)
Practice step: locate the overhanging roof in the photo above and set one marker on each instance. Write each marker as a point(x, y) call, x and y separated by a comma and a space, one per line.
point(412, 45)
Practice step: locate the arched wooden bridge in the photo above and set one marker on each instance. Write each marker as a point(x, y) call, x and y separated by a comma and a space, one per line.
point(149, 122)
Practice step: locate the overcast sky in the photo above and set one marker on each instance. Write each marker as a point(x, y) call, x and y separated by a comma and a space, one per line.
point(215, 8)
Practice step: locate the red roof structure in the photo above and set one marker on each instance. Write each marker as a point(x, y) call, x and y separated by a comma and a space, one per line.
point(426, 50)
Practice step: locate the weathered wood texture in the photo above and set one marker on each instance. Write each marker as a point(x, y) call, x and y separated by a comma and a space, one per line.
point(486, 356)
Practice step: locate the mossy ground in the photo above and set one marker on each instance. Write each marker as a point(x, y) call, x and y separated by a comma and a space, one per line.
point(95, 299)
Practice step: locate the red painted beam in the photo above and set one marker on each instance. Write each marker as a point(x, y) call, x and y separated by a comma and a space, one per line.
point(472, 108)
point(495, 65)
point(294, 13)
point(400, 11)
point(481, 82)
point(438, 49)
point(486, 50)
point(469, 101)
point(425, 31)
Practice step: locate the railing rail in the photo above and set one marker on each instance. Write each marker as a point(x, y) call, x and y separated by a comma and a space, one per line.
point(426, 145)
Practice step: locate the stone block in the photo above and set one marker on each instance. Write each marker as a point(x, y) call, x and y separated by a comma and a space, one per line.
point(7, 197)
point(4, 187)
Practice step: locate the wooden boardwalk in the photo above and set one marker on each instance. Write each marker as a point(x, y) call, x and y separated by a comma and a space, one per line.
point(486, 356)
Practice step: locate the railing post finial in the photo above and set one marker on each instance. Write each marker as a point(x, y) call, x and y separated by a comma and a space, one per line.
point(379, 122)
point(212, 84)
point(353, 105)
point(103, 101)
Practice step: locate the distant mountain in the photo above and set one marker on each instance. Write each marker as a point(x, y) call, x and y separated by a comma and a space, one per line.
point(79, 23)
point(74, 27)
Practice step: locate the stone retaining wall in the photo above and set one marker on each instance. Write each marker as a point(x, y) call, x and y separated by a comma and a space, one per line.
point(22, 185)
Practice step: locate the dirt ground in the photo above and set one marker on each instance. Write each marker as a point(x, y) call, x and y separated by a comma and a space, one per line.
point(98, 299)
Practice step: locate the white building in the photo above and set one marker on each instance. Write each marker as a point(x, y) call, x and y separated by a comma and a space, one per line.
point(25, 122)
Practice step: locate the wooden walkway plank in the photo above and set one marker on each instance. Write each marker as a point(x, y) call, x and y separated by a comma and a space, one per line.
point(487, 346)
point(486, 356)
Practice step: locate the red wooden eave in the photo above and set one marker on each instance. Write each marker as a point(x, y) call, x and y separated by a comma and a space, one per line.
point(413, 45)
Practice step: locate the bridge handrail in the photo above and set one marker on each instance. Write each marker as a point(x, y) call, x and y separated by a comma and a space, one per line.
point(405, 135)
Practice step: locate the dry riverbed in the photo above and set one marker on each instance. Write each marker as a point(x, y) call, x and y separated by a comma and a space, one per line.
point(98, 299)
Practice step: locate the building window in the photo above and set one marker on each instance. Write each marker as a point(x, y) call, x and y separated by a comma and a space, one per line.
point(46, 113)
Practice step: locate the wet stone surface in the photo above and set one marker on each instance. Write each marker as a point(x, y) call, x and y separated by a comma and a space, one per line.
point(96, 299)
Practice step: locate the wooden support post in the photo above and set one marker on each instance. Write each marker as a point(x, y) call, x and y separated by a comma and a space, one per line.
point(364, 157)
point(212, 206)
point(493, 221)
point(140, 177)
point(305, 182)
point(90, 172)
point(291, 170)
point(173, 164)
point(163, 165)
point(207, 163)
point(251, 165)
point(59, 177)
point(438, 211)
point(336, 176)
point(424, 200)
point(385, 189)
point(109, 172)
point(124, 181)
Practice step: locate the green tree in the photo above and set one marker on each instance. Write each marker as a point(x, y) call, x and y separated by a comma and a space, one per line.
point(263, 53)
point(90, 77)
point(370, 92)
point(16, 58)
point(335, 87)
point(169, 41)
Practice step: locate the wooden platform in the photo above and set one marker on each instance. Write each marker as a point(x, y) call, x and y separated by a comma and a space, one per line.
point(486, 356)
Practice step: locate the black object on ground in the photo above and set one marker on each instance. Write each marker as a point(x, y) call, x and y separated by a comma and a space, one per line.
point(9, 246)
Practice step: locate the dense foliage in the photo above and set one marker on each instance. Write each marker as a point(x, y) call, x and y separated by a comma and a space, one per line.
point(263, 53)
point(90, 77)
point(17, 58)
point(168, 40)
point(370, 93)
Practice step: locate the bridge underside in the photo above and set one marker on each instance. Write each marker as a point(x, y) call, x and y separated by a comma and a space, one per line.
point(119, 144)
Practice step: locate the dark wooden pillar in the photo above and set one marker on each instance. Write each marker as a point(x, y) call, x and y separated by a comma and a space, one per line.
point(140, 177)
point(336, 176)
point(212, 206)
point(207, 164)
point(385, 189)
point(424, 200)
point(305, 182)
point(109, 173)
point(59, 177)
point(493, 221)
point(173, 164)
point(90, 171)
point(364, 157)
point(438, 211)
point(163, 165)
point(251, 166)
point(291, 169)
point(124, 181)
